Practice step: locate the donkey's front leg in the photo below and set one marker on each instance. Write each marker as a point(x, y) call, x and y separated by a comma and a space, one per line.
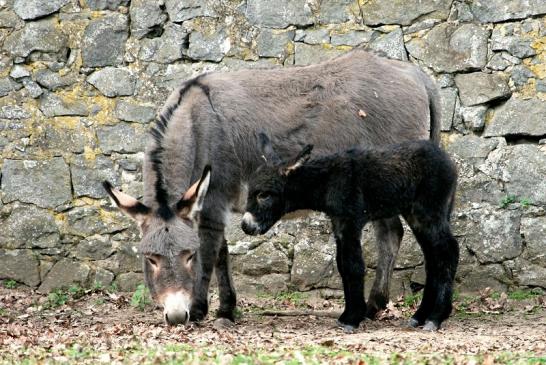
point(351, 267)
point(388, 234)
point(228, 298)
point(211, 236)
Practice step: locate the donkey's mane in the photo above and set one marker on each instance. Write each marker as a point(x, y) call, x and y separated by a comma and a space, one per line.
point(156, 154)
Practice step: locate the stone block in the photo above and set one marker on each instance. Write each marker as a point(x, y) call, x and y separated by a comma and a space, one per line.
point(63, 274)
point(32, 9)
point(451, 47)
point(518, 117)
point(479, 88)
point(44, 183)
point(378, 12)
point(112, 81)
point(20, 265)
point(103, 41)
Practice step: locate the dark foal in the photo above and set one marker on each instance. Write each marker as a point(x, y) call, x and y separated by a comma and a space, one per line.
point(414, 179)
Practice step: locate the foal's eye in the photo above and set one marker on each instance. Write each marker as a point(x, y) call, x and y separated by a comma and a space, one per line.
point(190, 257)
point(152, 262)
point(263, 197)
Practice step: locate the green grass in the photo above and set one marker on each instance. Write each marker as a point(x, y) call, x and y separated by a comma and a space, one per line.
point(507, 200)
point(10, 284)
point(141, 297)
point(524, 294)
point(56, 298)
point(179, 353)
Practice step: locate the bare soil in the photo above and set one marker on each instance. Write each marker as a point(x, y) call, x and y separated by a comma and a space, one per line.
point(110, 328)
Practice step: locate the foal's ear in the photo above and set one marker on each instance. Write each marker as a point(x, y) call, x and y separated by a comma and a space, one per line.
point(192, 201)
point(266, 149)
point(297, 162)
point(127, 203)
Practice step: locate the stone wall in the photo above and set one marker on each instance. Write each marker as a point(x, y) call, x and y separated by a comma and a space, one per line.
point(80, 82)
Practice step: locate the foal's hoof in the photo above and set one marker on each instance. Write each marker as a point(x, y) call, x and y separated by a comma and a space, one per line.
point(414, 323)
point(223, 324)
point(431, 326)
point(347, 328)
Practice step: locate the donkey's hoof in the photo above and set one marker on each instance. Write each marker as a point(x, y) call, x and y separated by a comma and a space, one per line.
point(431, 326)
point(223, 324)
point(347, 328)
point(414, 323)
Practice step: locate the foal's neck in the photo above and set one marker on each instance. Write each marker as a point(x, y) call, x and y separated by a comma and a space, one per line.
point(309, 186)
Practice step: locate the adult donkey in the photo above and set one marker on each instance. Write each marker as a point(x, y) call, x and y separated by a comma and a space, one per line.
point(356, 99)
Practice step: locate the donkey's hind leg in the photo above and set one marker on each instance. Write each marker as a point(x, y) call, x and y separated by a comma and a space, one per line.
point(441, 252)
point(225, 284)
point(388, 235)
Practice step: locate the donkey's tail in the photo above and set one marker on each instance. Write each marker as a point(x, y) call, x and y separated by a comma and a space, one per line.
point(435, 108)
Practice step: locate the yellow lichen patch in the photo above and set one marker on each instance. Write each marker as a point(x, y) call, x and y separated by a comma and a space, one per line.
point(528, 90)
point(60, 218)
point(67, 122)
point(447, 139)
point(89, 153)
point(109, 217)
point(86, 201)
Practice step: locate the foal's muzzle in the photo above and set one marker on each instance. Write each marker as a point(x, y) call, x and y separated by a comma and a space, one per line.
point(249, 225)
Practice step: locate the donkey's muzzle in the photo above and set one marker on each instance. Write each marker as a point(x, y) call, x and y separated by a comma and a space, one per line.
point(176, 308)
point(176, 318)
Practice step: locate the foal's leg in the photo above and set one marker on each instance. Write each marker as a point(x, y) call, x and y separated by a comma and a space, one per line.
point(225, 284)
point(441, 252)
point(388, 233)
point(351, 268)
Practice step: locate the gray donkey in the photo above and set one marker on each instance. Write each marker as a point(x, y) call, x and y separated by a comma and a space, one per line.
point(358, 98)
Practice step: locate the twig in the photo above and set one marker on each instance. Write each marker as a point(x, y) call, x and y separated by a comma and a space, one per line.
point(298, 313)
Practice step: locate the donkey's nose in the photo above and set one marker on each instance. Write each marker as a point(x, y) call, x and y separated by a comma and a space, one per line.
point(175, 318)
point(176, 308)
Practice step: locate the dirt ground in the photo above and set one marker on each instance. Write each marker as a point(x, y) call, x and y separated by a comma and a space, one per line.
point(104, 327)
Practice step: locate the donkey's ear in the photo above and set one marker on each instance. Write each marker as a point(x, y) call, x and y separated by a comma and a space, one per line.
point(192, 201)
point(297, 162)
point(266, 149)
point(127, 203)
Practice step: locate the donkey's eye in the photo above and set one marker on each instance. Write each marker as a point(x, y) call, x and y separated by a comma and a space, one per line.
point(263, 197)
point(190, 257)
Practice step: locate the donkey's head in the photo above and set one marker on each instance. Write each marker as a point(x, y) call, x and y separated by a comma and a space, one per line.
point(266, 202)
point(169, 246)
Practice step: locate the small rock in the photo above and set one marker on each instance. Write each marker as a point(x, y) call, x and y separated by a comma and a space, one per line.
point(391, 44)
point(106, 4)
point(478, 88)
point(41, 35)
point(307, 54)
point(145, 16)
point(448, 99)
point(132, 112)
point(33, 89)
point(353, 38)
point(88, 175)
point(53, 105)
point(279, 14)
point(13, 112)
point(53, 81)
point(167, 48)
point(209, 47)
point(313, 36)
point(520, 74)
point(403, 12)
point(121, 138)
point(334, 11)
point(103, 41)
point(111, 81)
point(271, 43)
point(181, 10)
point(493, 11)
point(18, 72)
point(32, 9)
point(474, 117)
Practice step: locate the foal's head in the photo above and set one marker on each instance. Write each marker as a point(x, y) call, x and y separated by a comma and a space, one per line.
point(169, 246)
point(266, 202)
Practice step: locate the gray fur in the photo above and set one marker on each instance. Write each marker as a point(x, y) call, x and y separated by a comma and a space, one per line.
point(355, 99)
